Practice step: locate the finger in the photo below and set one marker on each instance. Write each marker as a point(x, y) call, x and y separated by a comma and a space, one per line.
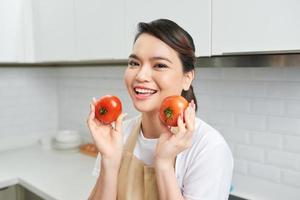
point(193, 104)
point(92, 112)
point(92, 115)
point(91, 122)
point(118, 124)
point(181, 126)
point(165, 136)
point(94, 101)
point(190, 119)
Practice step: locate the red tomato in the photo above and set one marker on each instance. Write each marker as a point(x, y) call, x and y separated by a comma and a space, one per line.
point(108, 109)
point(171, 108)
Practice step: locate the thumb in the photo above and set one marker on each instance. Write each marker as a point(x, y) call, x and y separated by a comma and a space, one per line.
point(165, 136)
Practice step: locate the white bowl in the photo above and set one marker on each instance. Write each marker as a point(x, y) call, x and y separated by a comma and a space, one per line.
point(67, 136)
point(65, 146)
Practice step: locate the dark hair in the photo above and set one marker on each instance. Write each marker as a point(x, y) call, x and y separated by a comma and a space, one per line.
point(178, 39)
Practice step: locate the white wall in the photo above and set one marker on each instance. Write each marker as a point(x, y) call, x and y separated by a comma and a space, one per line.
point(77, 87)
point(28, 105)
point(258, 112)
point(256, 109)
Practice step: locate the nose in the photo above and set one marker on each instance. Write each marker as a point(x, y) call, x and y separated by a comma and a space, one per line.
point(144, 74)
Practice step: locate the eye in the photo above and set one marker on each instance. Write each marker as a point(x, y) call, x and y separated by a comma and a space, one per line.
point(132, 63)
point(160, 66)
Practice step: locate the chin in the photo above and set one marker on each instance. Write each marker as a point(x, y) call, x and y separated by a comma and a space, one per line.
point(144, 108)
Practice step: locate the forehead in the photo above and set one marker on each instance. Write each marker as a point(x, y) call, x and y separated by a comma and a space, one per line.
point(147, 45)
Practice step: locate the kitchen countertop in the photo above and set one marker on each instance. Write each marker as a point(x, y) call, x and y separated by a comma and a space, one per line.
point(48, 173)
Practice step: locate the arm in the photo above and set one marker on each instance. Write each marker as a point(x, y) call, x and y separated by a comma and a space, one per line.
point(106, 185)
point(168, 147)
point(168, 187)
point(108, 140)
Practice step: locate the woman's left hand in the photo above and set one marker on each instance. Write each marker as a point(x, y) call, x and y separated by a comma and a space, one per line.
point(171, 144)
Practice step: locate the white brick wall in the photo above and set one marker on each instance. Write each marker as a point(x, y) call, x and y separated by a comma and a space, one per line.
point(265, 132)
point(76, 88)
point(28, 104)
point(28, 99)
point(267, 172)
point(256, 109)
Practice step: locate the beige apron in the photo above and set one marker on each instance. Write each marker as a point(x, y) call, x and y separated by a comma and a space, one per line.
point(136, 181)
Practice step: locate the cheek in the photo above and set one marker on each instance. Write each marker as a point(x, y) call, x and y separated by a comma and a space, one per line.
point(128, 76)
point(171, 82)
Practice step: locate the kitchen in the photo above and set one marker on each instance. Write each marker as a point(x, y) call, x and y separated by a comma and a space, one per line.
point(55, 56)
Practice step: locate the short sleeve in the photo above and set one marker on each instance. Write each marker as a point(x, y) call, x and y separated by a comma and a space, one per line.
point(97, 167)
point(209, 176)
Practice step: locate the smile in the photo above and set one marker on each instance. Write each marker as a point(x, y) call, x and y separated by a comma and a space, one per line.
point(142, 93)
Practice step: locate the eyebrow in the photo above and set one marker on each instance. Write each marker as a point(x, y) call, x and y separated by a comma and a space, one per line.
point(152, 58)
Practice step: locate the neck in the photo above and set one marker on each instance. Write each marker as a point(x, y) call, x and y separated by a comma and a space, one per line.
point(151, 125)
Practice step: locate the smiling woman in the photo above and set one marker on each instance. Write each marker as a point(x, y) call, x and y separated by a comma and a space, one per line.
point(142, 158)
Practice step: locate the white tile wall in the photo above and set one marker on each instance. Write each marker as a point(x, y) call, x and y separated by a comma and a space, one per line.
point(265, 132)
point(28, 104)
point(256, 109)
point(76, 88)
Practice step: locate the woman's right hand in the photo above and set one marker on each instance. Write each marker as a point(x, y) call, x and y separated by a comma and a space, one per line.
point(108, 139)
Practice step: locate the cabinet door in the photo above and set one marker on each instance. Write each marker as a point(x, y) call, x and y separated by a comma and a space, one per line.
point(255, 26)
point(99, 29)
point(11, 33)
point(8, 193)
point(54, 30)
point(193, 16)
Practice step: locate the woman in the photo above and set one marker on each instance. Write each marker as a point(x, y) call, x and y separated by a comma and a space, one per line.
point(141, 158)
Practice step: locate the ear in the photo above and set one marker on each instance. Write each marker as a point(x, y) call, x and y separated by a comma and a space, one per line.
point(187, 79)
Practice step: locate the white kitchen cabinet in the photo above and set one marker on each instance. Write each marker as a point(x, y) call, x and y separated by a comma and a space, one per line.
point(17, 192)
point(193, 15)
point(54, 30)
point(255, 26)
point(100, 29)
point(16, 35)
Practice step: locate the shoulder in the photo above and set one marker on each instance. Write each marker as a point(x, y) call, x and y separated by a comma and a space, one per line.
point(207, 142)
point(206, 136)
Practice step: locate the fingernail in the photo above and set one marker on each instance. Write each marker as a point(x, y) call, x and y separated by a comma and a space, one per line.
point(94, 99)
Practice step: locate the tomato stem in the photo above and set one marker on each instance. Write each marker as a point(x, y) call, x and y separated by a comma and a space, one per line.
point(168, 112)
point(102, 111)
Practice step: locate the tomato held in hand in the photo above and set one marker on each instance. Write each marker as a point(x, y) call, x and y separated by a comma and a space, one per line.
point(171, 108)
point(108, 108)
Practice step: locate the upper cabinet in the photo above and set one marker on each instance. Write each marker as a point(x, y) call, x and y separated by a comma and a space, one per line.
point(95, 30)
point(71, 30)
point(99, 29)
point(194, 16)
point(255, 26)
point(16, 35)
point(54, 30)
point(78, 30)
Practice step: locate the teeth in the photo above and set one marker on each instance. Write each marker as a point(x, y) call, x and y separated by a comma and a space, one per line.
point(144, 91)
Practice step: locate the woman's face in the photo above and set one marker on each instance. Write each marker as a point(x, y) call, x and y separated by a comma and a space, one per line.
point(154, 72)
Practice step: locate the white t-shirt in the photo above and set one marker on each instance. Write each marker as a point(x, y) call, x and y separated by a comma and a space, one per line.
point(203, 171)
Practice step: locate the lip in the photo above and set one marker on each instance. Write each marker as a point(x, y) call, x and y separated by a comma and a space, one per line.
point(142, 96)
point(142, 87)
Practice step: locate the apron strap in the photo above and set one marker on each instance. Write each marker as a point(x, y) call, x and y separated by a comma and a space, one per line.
point(132, 138)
